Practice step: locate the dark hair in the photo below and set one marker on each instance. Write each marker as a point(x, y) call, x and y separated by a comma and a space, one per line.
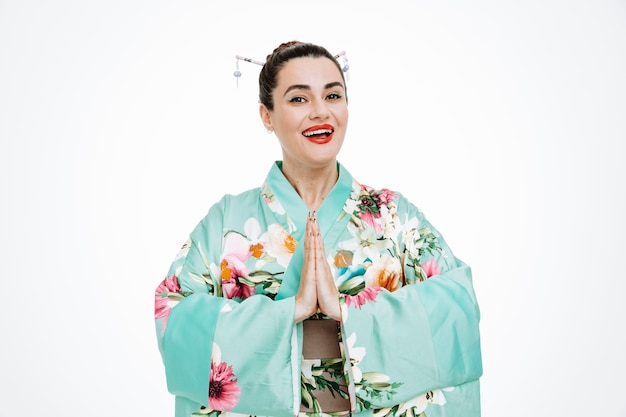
point(268, 77)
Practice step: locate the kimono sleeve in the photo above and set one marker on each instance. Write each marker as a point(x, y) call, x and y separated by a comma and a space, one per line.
point(219, 353)
point(416, 344)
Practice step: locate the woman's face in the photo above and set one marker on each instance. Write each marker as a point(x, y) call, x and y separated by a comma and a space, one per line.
point(310, 113)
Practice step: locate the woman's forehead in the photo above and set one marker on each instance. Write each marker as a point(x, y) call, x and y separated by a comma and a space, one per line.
point(309, 71)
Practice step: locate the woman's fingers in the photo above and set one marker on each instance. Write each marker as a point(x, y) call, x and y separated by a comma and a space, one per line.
point(327, 294)
point(306, 298)
point(317, 287)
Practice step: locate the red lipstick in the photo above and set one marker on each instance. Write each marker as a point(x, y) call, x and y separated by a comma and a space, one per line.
point(319, 134)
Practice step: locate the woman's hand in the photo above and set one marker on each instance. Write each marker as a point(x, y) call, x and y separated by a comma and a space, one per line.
point(306, 298)
point(327, 294)
point(317, 287)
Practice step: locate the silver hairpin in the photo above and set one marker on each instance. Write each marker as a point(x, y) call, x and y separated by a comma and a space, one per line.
point(243, 58)
point(345, 67)
point(238, 58)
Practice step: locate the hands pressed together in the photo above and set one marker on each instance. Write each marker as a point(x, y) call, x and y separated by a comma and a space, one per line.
point(317, 288)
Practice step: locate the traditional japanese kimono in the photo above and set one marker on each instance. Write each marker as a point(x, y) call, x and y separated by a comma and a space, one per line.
point(409, 332)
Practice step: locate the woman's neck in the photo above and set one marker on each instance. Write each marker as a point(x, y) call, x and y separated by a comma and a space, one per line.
point(312, 184)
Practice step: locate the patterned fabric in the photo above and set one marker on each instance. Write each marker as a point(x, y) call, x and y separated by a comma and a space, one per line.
point(409, 332)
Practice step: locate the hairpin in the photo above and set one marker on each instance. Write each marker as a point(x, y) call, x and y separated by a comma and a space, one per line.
point(344, 59)
point(344, 66)
point(238, 58)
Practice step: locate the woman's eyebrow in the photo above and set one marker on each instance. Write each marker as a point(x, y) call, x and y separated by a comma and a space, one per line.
point(297, 87)
point(334, 84)
point(308, 87)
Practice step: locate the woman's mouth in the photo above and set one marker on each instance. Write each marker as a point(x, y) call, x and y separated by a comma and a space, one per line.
point(319, 134)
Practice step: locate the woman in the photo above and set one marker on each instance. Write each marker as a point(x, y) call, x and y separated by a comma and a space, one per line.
point(314, 293)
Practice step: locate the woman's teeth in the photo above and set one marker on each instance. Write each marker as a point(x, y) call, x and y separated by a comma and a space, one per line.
point(318, 132)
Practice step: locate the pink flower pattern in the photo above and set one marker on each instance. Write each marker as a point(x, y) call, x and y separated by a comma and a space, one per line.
point(365, 296)
point(232, 269)
point(431, 268)
point(223, 389)
point(167, 295)
point(370, 204)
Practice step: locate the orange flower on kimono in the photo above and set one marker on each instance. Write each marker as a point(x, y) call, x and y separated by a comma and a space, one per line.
point(232, 269)
point(384, 272)
point(279, 244)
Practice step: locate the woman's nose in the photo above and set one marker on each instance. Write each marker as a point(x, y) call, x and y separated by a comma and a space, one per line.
point(319, 110)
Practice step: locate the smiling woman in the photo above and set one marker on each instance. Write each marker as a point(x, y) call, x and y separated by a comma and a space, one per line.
point(309, 115)
point(313, 293)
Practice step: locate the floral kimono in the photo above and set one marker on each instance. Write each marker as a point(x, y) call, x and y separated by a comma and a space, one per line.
point(409, 332)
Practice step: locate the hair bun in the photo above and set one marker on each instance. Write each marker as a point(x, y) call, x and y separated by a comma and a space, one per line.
point(281, 47)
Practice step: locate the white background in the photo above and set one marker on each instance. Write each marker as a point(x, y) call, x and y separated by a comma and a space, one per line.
point(121, 122)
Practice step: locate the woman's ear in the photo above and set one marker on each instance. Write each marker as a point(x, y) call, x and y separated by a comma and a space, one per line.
point(266, 117)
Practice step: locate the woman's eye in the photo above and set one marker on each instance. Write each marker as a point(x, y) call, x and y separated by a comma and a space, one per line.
point(297, 100)
point(334, 96)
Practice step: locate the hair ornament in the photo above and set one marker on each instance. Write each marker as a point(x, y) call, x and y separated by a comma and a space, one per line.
point(237, 73)
point(344, 64)
point(238, 58)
